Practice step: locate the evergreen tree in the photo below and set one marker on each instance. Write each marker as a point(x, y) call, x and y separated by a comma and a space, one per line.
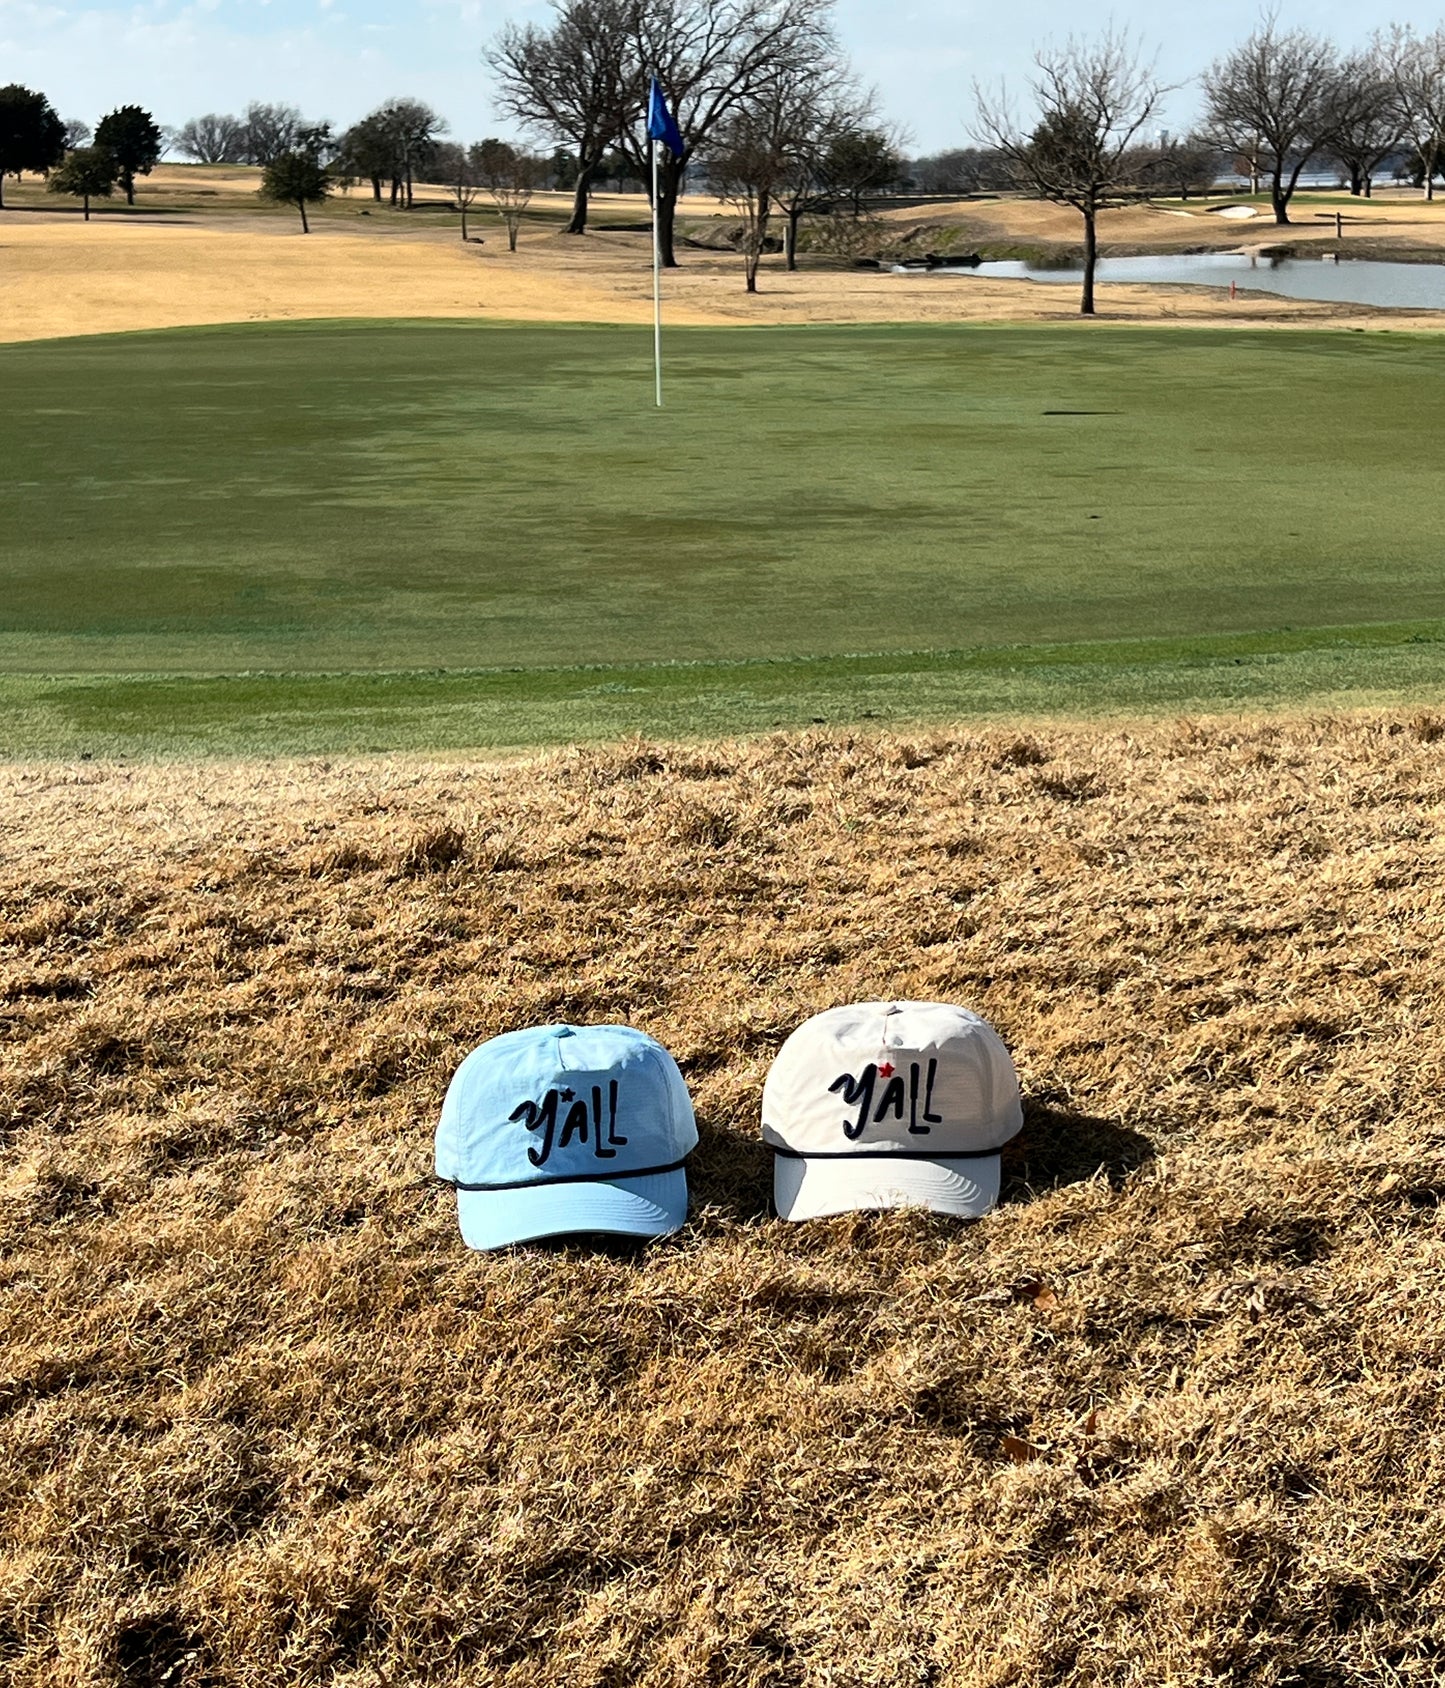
point(32, 136)
point(133, 139)
point(296, 178)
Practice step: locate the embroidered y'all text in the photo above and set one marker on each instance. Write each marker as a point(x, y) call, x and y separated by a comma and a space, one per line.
point(579, 1123)
point(899, 1091)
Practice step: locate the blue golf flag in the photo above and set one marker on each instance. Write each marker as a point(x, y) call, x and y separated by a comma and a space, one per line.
point(661, 125)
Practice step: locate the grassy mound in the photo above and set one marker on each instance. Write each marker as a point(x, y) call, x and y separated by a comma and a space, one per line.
point(1166, 1416)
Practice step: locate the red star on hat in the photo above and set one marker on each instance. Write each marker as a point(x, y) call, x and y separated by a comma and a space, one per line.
point(886, 1070)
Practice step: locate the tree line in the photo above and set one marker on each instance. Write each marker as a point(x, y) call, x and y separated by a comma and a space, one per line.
point(773, 117)
point(1279, 100)
point(302, 162)
point(126, 143)
point(772, 114)
point(1287, 97)
point(393, 149)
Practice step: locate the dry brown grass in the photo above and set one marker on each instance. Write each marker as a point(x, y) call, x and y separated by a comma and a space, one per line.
point(63, 277)
point(1403, 218)
point(60, 276)
point(1170, 1416)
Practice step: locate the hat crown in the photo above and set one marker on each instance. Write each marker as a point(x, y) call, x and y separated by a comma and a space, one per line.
point(550, 1104)
point(913, 1078)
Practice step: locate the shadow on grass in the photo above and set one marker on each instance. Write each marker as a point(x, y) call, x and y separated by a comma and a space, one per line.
point(731, 1172)
point(609, 1244)
point(1058, 1146)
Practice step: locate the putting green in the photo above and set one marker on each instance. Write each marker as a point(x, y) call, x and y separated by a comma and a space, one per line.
point(347, 499)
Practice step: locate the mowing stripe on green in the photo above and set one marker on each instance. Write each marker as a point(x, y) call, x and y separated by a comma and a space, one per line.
point(289, 714)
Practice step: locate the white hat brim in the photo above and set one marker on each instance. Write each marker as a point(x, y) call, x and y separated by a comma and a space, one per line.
point(965, 1186)
point(653, 1205)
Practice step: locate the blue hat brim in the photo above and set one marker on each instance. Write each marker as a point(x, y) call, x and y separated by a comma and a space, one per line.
point(651, 1206)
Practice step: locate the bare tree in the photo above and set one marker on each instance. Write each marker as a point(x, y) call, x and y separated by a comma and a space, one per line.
point(77, 133)
point(1417, 69)
point(452, 164)
point(747, 163)
point(779, 140)
point(510, 176)
point(270, 131)
point(823, 104)
point(414, 130)
point(712, 57)
point(1270, 100)
point(213, 139)
point(1094, 98)
point(1363, 124)
point(466, 189)
point(577, 82)
point(1182, 165)
point(778, 150)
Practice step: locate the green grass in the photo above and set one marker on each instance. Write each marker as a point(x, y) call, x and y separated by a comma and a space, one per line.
point(265, 715)
point(437, 534)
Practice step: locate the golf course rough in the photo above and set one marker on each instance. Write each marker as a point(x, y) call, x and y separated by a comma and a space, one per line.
point(1164, 1416)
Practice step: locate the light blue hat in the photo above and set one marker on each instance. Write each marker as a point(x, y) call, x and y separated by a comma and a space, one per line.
point(557, 1129)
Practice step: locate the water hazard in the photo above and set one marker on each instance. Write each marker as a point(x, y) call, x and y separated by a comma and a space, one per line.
point(1348, 281)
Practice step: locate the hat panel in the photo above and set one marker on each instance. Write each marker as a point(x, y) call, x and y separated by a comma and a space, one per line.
point(797, 1104)
point(560, 1103)
point(650, 1071)
point(681, 1120)
point(477, 1141)
point(910, 1078)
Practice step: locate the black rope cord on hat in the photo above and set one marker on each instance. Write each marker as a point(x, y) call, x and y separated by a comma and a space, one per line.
point(885, 1154)
point(615, 1176)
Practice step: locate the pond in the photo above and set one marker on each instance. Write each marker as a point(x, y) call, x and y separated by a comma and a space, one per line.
point(1348, 281)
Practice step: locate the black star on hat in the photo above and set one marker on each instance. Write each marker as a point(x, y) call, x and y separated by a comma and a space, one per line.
point(566, 1095)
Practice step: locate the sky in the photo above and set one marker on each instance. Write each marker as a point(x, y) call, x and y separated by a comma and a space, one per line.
point(336, 59)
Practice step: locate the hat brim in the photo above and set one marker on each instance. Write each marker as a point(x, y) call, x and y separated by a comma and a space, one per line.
point(813, 1189)
point(651, 1206)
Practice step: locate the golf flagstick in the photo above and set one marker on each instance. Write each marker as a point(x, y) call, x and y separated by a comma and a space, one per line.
point(661, 129)
point(656, 283)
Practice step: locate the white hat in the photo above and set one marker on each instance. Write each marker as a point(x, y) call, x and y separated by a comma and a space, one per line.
point(889, 1104)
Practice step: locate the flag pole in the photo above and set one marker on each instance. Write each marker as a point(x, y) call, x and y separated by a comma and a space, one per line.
point(656, 283)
